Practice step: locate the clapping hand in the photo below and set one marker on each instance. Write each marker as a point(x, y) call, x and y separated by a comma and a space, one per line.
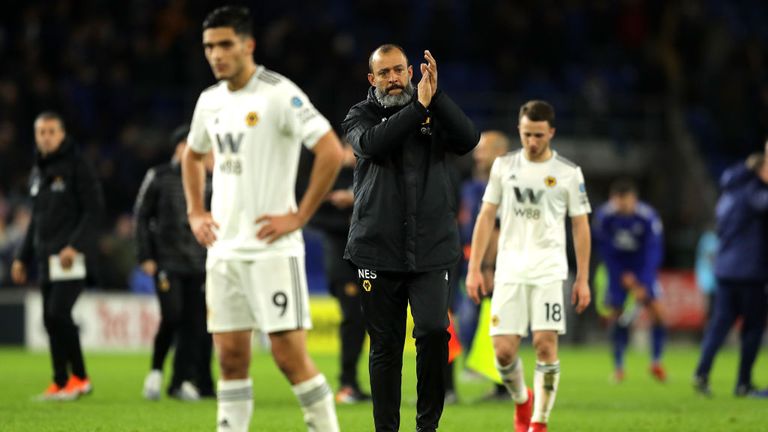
point(428, 84)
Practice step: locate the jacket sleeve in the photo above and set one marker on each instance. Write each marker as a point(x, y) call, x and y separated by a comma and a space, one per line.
point(372, 140)
point(144, 210)
point(735, 175)
point(758, 196)
point(25, 251)
point(91, 202)
point(458, 133)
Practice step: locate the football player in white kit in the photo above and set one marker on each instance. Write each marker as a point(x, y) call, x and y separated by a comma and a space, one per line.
point(255, 121)
point(531, 190)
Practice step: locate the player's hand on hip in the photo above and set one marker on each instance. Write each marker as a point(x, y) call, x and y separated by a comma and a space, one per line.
point(475, 286)
point(203, 225)
point(277, 226)
point(432, 69)
point(581, 296)
point(67, 256)
point(18, 272)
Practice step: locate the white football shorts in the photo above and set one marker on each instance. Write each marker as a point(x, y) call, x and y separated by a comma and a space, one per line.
point(515, 306)
point(268, 294)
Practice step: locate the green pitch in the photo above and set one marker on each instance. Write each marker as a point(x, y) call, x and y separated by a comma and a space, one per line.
point(587, 401)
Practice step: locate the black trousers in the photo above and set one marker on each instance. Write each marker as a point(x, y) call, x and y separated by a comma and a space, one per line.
point(182, 311)
point(342, 279)
point(63, 334)
point(735, 299)
point(385, 298)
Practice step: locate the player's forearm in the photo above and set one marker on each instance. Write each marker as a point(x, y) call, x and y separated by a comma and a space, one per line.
point(582, 244)
point(193, 178)
point(481, 236)
point(328, 159)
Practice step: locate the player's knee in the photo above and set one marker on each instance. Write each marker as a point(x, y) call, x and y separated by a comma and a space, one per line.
point(233, 362)
point(504, 350)
point(292, 364)
point(505, 357)
point(546, 349)
point(286, 363)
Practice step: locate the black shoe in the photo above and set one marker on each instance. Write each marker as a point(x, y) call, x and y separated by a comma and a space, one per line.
point(701, 386)
point(743, 390)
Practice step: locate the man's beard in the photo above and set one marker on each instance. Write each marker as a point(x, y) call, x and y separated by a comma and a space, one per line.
point(390, 100)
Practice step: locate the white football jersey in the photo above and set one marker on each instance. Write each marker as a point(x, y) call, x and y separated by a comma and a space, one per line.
point(256, 133)
point(533, 198)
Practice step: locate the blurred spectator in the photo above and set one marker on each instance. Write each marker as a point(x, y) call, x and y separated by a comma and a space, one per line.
point(706, 252)
point(168, 252)
point(67, 204)
point(741, 269)
point(116, 255)
point(11, 235)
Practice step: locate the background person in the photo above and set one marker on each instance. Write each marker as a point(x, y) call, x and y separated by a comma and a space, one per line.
point(67, 204)
point(168, 252)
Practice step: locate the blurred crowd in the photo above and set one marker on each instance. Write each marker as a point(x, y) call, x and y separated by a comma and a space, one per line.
point(124, 74)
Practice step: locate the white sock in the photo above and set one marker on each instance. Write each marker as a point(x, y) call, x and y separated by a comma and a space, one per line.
point(316, 400)
point(514, 380)
point(545, 382)
point(235, 403)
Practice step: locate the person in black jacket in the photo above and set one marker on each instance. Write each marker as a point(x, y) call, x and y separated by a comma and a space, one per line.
point(168, 251)
point(67, 203)
point(403, 237)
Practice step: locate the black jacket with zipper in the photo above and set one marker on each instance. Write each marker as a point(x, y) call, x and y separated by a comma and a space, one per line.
point(67, 206)
point(404, 216)
point(162, 228)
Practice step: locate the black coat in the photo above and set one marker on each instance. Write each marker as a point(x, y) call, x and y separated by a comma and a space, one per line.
point(163, 233)
point(404, 217)
point(67, 206)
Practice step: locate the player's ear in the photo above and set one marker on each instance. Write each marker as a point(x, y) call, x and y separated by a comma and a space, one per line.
point(551, 133)
point(371, 79)
point(410, 72)
point(250, 45)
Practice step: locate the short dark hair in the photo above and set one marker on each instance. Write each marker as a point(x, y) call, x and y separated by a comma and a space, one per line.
point(237, 17)
point(51, 115)
point(538, 110)
point(385, 49)
point(622, 187)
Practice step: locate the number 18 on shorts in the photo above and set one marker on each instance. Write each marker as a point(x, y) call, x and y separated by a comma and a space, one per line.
point(515, 307)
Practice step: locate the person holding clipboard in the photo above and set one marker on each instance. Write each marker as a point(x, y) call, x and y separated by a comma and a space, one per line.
point(66, 204)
